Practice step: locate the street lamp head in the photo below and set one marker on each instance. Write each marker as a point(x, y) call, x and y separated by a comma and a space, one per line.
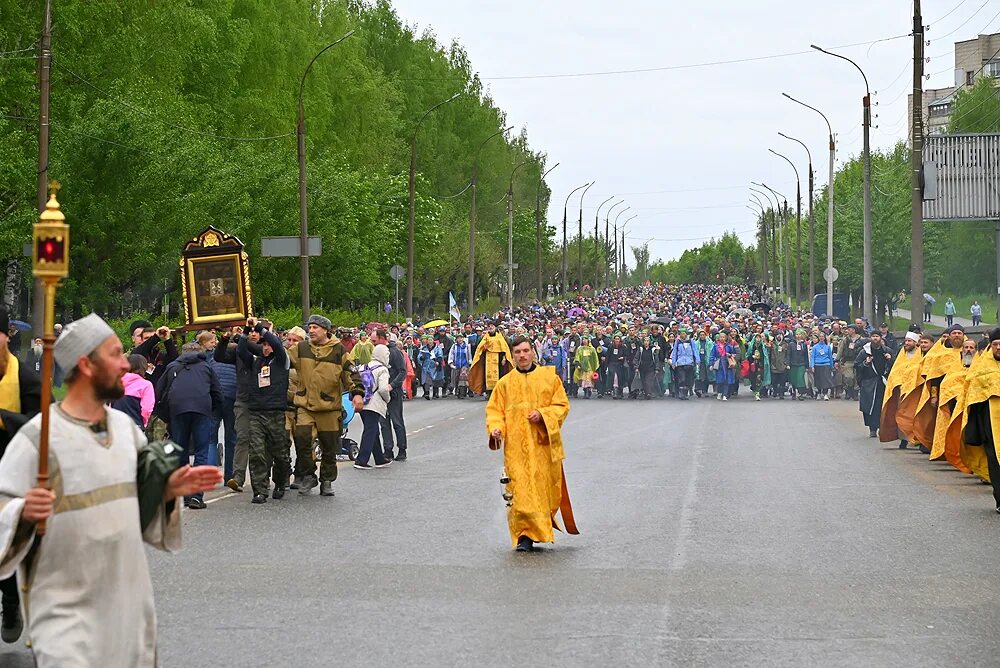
point(813, 46)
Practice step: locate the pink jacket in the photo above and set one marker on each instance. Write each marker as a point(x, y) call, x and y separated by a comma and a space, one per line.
point(142, 389)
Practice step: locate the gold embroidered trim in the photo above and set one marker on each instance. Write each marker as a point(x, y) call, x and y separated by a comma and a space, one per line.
point(96, 497)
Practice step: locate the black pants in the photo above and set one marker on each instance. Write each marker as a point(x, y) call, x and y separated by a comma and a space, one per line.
point(11, 599)
point(991, 461)
point(683, 377)
point(393, 422)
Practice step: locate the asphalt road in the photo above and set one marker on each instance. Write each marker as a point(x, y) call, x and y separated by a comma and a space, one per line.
point(713, 534)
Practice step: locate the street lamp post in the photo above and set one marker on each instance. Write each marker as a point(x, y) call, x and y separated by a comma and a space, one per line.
point(597, 249)
point(866, 121)
point(565, 265)
point(763, 239)
point(538, 233)
point(777, 239)
point(472, 221)
point(303, 213)
point(579, 245)
point(510, 235)
point(829, 212)
point(798, 229)
point(768, 194)
point(798, 256)
point(624, 225)
point(413, 204)
point(607, 243)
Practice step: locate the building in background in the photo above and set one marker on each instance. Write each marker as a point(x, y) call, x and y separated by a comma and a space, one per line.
point(974, 58)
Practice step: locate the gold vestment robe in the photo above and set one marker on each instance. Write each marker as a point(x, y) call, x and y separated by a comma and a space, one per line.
point(949, 395)
point(491, 359)
point(982, 383)
point(939, 361)
point(901, 380)
point(533, 453)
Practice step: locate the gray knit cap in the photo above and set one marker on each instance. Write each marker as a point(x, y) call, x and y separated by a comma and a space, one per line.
point(316, 319)
point(79, 339)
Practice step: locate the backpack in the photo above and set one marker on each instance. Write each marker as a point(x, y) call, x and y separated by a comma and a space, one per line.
point(367, 374)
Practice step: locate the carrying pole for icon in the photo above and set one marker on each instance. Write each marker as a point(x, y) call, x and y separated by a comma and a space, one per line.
point(50, 261)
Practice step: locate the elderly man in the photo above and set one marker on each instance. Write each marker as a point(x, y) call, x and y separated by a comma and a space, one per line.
point(88, 580)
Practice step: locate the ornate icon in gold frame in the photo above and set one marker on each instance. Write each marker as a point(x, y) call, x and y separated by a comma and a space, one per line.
point(215, 280)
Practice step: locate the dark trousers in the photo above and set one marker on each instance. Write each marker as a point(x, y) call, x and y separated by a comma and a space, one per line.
point(370, 438)
point(11, 599)
point(393, 422)
point(229, 440)
point(241, 453)
point(950, 319)
point(683, 377)
point(195, 433)
point(268, 447)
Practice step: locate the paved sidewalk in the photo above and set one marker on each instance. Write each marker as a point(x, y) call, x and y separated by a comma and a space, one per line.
point(939, 320)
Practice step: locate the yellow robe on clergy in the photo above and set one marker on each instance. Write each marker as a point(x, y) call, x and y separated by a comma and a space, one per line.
point(901, 380)
point(532, 453)
point(982, 383)
point(949, 395)
point(487, 365)
point(939, 361)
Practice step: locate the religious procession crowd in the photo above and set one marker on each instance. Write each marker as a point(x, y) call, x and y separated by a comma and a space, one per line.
point(274, 394)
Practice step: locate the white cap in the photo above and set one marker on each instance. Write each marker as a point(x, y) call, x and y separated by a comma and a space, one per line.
point(912, 336)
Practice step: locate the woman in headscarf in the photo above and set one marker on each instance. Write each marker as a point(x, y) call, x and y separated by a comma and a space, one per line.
point(647, 362)
point(759, 357)
point(722, 363)
point(616, 376)
point(587, 362)
point(821, 365)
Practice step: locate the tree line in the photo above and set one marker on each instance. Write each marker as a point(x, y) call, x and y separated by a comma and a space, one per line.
point(169, 116)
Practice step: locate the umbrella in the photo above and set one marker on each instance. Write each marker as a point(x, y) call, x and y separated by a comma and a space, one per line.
point(435, 323)
point(21, 325)
point(664, 320)
point(625, 316)
point(743, 312)
point(930, 299)
point(575, 312)
point(760, 306)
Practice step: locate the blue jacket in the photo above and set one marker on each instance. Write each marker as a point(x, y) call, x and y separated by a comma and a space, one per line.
point(431, 364)
point(685, 353)
point(554, 355)
point(227, 378)
point(724, 375)
point(194, 387)
point(821, 355)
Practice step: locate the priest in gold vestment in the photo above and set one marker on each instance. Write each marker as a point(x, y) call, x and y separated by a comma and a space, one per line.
point(900, 382)
point(490, 361)
point(982, 400)
point(525, 414)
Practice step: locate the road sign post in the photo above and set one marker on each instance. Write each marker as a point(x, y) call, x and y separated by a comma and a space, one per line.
point(396, 273)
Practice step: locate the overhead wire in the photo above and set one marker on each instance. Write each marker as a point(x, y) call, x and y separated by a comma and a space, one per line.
point(966, 21)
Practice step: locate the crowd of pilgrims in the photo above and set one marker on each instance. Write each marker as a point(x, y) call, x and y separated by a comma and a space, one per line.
point(651, 342)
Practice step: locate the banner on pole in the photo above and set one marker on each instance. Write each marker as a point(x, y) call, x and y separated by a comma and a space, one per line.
point(453, 307)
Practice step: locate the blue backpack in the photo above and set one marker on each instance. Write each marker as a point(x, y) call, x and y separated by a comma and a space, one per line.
point(367, 373)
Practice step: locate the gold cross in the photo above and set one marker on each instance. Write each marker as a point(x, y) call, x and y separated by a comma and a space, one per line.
point(54, 187)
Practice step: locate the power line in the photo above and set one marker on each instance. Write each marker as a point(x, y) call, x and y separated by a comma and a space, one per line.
point(953, 10)
point(667, 68)
point(151, 116)
point(966, 21)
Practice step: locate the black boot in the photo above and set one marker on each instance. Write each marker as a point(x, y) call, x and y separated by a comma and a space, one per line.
point(524, 544)
point(903, 443)
point(13, 624)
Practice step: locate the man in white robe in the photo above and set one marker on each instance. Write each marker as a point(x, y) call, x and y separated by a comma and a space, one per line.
point(86, 591)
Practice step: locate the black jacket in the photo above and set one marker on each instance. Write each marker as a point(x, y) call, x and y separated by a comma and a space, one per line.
point(160, 358)
point(274, 396)
point(397, 368)
point(31, 399)
point(245, 378)
point(189, 385)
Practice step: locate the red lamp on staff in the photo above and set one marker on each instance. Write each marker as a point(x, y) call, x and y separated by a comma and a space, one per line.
point(50, 259)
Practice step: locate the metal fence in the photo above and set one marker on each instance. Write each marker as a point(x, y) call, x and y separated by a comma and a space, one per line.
point(962, 177)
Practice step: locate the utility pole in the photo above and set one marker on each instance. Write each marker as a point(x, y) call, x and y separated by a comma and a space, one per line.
point(565, 261)
point(579, 285)
point(44, 69)
point(916, 163)
point(472, 222)
point(538, 233)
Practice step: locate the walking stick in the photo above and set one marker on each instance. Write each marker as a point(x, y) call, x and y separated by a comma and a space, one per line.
point(50, 259)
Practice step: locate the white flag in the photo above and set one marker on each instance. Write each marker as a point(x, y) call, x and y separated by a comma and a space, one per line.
point(453, 307)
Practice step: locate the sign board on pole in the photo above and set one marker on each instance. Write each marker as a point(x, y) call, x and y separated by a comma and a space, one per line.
point(289, 246)
point(831, 274)
point(961, 176)
point(397, 273)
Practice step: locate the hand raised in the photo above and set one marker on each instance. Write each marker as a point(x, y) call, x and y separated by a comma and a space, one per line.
point(188, 480)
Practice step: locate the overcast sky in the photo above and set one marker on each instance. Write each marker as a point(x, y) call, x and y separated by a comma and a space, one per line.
point(681, 146)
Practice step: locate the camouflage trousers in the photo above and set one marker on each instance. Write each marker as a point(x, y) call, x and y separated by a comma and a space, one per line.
point(268, 444)
point(156, 429)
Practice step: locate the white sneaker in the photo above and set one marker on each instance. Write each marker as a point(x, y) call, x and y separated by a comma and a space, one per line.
point(725, 398)
point(826, 397)
point(756, 397)
point(719, 397)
